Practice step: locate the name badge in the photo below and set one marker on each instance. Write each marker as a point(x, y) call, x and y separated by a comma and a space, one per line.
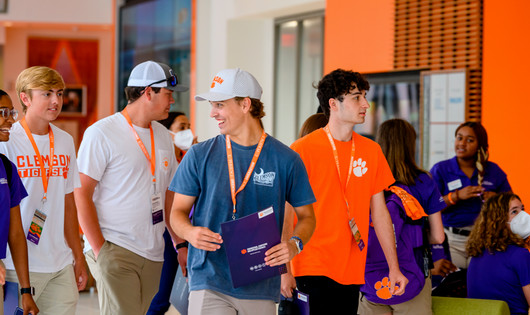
point(37, 224)
point(356, 234)
point(156, 208)
point(457, 183)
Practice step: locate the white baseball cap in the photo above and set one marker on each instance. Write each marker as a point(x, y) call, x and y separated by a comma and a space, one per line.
point(155, 74)
point(230, 83)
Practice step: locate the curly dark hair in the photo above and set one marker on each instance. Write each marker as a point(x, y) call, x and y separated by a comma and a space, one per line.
point(491, 231)
point(337, 83)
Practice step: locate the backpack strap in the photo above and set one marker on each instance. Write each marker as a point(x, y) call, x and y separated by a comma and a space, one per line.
point(411, 205)
point(8, 167)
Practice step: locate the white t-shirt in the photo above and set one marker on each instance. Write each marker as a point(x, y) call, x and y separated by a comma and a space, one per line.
point(52, 253)
point(110, 154)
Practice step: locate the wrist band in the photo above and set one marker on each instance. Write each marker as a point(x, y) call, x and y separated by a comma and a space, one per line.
point(450, 199)
point(180, 245)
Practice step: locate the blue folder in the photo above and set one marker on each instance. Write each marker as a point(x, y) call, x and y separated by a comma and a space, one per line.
point(246, 240)
point(11, 297)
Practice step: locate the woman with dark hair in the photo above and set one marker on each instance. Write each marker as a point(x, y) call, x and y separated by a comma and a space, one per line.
point(494, 245)
point(179, 126)
point(465, 181)
point(414, 234)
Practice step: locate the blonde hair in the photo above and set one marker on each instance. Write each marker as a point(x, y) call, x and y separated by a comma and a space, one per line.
point(37, 77)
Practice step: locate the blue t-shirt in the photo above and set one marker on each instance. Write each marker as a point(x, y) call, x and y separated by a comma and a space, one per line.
point(501, 276)
point(450, 177)
point(279, 176)
point(12, 191)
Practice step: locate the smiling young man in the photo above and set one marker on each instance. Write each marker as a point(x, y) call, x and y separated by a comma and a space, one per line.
point(208, 177)
point(348, 174)
point(46, 162)
point(126, 163)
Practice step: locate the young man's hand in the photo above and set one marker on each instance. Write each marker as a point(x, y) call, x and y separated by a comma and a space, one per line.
point(28, 305)
point(203, 238)
point(2, 275)
point(281, 253)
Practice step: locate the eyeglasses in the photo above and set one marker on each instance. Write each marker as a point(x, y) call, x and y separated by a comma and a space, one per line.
point(171, 81)
point(6, 113)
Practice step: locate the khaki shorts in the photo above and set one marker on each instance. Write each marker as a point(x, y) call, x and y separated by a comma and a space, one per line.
point(126, 281)
point(55, 292)
point(209, 302)
point(421, 304)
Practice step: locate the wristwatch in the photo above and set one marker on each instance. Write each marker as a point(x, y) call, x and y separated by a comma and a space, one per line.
point(30, 290)
point(298, 242)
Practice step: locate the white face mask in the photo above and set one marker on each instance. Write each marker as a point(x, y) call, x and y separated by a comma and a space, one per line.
point(520, 224)
point(183, 139)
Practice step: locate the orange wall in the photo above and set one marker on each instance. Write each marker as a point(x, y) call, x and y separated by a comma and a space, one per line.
point(505, 105)
point(359, 35)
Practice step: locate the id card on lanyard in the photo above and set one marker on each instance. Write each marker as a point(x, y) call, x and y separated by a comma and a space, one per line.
point(353, 225)
point(39, 216)
point(231, 173)
point(157, 209)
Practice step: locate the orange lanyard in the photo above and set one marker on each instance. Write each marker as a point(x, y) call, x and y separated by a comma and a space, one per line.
point(44, 176)
point(152, 159)
point(231, 173)
point(336, 156)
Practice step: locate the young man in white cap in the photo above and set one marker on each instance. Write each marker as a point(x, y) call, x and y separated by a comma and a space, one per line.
point(46, 162)
point(126, 162)
point(208, 177)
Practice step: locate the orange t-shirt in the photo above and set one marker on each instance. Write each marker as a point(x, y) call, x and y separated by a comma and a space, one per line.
point(332, 251)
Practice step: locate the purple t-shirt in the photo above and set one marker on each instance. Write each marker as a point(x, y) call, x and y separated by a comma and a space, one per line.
point(375, 288)
point(450, 177)
point(512, 272)
point(12, 191)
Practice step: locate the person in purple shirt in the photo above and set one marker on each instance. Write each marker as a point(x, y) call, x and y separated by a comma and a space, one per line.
point(466, 181)
point(397, 139)
point(11, 193)
point(495, 246)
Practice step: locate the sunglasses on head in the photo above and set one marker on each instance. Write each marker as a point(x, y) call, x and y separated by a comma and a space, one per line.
point(6, 113)
point(171, 81)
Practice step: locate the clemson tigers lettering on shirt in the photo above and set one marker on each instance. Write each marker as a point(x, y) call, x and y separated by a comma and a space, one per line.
point(29, 166)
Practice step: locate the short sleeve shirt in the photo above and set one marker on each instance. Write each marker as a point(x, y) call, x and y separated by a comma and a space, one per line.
point(332, 251)
point(11, 193)
point(449, 177)
point(511, 273)
point(279, 176)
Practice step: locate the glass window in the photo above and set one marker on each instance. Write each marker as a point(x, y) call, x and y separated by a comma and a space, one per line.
point(158, 30)
point(298, 66)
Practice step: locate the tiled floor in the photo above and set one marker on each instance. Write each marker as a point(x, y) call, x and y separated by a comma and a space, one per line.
point(88, 304)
